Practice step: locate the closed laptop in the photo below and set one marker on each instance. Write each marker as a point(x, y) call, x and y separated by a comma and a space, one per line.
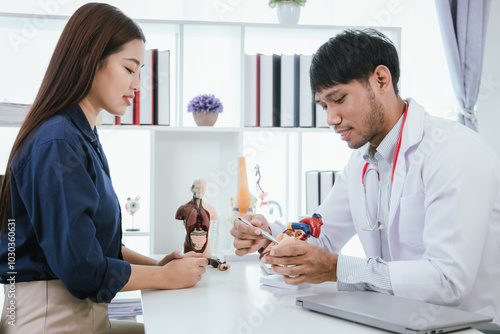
point(391, 313)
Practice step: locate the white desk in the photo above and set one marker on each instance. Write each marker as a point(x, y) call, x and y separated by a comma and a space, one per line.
point(233, 301)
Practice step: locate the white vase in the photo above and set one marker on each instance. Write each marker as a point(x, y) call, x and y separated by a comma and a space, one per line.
point(288, 12)
point(205, 118)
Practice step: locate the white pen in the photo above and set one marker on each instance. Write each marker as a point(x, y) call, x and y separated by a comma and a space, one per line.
point(264, 233)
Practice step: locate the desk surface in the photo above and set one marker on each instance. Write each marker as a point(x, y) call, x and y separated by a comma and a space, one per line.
point(234, 301)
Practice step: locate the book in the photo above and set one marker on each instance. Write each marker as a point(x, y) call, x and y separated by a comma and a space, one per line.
point(266, 90)
point(155, 86)
point(312, 191)
point(306, 99)
point(107, 118)
point(128, 118)
point(125, 305)
point(147, 89)
point(162, 108)
point(276, 96)
point(98, 120)
point(257, 102)
point(137, 108)
point(296, 95)
point(321, 117)
point(251, 92)
point(314, 108)
point(289, 98)
point(13, 113)
point(319, 183)
point(326, 180)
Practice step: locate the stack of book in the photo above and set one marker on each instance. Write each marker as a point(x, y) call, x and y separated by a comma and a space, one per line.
point(125, 306)
point(151, 105)
point(318, 186)
point(278, 92)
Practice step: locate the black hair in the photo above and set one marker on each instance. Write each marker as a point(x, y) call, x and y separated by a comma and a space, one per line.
point(353, 55)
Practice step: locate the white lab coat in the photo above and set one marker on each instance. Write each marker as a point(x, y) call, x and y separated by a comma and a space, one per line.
point(444, 218)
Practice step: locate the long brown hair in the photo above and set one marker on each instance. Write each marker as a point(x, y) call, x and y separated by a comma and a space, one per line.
point(93, 32)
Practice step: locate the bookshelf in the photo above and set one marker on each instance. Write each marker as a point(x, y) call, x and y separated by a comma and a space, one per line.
point(161, 162)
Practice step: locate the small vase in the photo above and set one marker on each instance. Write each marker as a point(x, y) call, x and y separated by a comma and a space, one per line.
point(288, 12)
point(205, 118)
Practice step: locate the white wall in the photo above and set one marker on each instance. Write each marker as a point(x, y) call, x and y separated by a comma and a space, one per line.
point(488, 104)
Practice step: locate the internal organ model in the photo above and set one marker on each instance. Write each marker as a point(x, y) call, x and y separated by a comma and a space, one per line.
point(196, 221)
point(307, 227)
point(196, 216)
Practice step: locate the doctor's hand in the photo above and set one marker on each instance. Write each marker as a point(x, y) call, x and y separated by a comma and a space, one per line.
point(248, 239)
point(302, 262)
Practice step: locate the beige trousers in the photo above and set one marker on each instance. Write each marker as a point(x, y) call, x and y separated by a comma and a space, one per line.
point(47, 307)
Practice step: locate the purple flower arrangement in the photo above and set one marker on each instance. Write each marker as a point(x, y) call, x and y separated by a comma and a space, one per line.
point(205, 103)
point(272, 3)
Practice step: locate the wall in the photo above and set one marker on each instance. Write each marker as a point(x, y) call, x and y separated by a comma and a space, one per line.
point(488, 104)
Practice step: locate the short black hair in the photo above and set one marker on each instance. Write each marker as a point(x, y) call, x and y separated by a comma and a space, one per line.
point(353, 55)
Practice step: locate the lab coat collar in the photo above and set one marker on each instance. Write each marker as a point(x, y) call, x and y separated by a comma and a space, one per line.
point(412, 135)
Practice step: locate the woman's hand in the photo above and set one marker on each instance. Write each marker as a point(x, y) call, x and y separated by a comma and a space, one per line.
point(174, 271)
point(182, 273)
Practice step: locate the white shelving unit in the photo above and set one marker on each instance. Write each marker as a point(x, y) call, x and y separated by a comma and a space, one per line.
point(160, 163)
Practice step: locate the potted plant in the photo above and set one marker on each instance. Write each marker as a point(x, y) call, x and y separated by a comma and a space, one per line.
point(205, 109)
point(288, 10)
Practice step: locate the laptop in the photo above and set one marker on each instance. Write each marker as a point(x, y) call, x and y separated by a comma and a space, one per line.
point(391, 313)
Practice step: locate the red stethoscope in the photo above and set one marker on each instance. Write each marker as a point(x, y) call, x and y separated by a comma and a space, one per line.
point(366, 170)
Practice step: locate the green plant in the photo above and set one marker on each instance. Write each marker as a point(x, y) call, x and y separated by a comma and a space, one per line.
point(272, 3)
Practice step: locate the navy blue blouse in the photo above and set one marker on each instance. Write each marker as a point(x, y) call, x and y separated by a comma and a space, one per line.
point(66, 214)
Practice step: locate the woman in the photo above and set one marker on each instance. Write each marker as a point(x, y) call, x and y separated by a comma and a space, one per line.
point(57, 201)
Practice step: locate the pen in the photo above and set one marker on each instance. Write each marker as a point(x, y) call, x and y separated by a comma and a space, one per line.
point(264, 233)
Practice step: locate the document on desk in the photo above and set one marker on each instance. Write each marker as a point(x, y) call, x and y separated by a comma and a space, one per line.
point(125, 305)
point(277, 281)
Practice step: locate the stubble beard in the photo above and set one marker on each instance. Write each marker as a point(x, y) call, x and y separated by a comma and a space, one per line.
point(372, 122)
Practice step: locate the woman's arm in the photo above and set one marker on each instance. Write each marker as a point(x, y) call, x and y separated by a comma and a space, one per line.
point(177, 274)
point(147, 273)
point(133, 257)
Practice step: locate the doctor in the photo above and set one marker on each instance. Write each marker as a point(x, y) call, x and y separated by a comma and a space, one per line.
point(421, 192)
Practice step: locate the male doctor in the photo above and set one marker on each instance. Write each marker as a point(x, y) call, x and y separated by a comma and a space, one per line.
point(429, 221)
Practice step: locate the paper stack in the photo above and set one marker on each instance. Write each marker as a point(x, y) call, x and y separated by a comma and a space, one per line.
point(125, 305)
point(277, 281)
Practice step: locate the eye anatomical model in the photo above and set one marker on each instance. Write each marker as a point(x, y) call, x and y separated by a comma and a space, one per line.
point(132, 206)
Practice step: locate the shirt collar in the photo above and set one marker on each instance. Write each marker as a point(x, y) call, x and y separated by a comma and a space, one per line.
point(80, 120)
point(387, 147)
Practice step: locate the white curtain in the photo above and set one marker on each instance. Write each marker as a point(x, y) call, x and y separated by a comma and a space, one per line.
point(463, 26)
